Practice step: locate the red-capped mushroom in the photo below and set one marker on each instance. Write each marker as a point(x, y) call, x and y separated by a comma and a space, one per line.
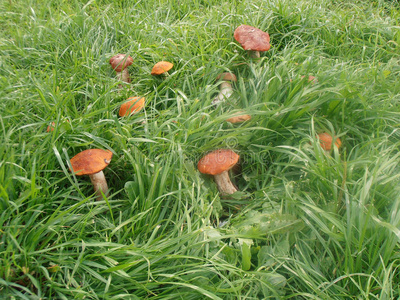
point(92, 162)
point(120, 64)
point(161, 68)
point(225, 88)
point(326, 141)
point(252, 39)
point(218, 163)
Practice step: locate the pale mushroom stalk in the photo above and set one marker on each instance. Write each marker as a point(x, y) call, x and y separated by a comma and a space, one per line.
point(124, 75)
point(225, 88)
point(254, 54)
point(99, 184)
point(224, 183)
point(225, 91)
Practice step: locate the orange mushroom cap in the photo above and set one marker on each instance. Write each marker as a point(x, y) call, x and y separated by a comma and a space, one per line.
point(218, 161)
point(325, 140)
point(133, 105)
point(239, 119)
point(226, 76)
point(120, 62)
point(161, 67)
point(90, 161)
point(252, 38)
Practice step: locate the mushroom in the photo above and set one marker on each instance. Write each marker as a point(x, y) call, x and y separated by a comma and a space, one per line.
point(161, 68)
point(252, 39)
point(325, 140)
point(92, 162)
point(218, 163)
point(133, 105)
point(51, 127)
point(225, 88)
point(120, 64)
point(311, 79)
point(238, 119)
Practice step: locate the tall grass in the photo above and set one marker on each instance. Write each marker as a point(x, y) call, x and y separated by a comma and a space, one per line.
point(306, 225)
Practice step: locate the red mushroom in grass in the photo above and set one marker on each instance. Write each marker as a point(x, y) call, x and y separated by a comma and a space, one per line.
point(120, 64)
point(218, 163)
point(225, 88)
point(161, 68)
point(252, 39)
point(326, 141)
point(92, 162)
point(133, 105)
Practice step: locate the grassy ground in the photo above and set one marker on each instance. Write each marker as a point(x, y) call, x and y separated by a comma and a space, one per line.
point(307, 225)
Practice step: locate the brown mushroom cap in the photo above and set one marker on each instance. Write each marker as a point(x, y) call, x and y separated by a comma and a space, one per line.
point(133, 105)
point(90, 161)
point(217, 161)
point(120, 62)
point(227, 77)
point(252, 38)
point(325, 140)
point(161, 67)
point(239, 119)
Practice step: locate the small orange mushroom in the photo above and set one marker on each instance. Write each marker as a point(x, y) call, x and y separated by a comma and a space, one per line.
point(239, 119)
point(218, 163)
point(51, 127)
point(92, 162)
point(325, 140)
point(161, 67)
point(133, 105)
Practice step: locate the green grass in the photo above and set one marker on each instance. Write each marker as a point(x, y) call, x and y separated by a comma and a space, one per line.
point(307, 225)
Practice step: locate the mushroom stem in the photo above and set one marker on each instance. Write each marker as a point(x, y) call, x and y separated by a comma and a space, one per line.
point(100, 184)
point(124, 75)
point(225, 91)
point(224, 183)
point(254, 54)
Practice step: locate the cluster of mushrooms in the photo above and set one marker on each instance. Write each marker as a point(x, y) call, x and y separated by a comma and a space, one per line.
point(217, 163)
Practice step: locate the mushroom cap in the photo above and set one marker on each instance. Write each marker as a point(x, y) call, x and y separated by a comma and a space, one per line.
point(90, 161)
point(239, 119)
point(325, 140)
point(51, 127)
point(226, 76)
point(161, 67)
point(120, 62)
point(252, 38)
point(217, 161)
point(133, 105)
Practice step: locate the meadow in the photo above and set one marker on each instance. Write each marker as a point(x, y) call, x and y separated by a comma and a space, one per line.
point(306, 223)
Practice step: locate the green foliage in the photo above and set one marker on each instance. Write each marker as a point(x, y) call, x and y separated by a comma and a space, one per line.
point(306, 223)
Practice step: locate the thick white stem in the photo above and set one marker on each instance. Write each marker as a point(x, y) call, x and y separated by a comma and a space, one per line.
point(254, 54)
point(225, 91)
point(224, 184)
point(99, 184)
point(123, 75)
